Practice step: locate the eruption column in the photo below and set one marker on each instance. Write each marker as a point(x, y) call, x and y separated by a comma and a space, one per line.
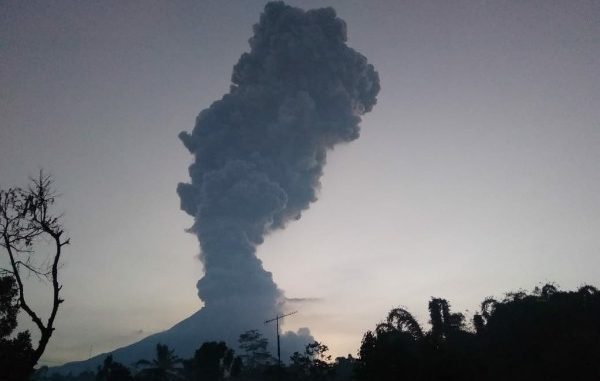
point(259, 154)
point(260, 150)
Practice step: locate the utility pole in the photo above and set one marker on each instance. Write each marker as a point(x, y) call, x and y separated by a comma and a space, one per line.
point(276, 320)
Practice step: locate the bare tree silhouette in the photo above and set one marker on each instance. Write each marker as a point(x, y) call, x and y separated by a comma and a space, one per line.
point(26, 217)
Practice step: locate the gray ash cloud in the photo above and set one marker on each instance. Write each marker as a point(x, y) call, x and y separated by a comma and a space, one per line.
point(260, 150)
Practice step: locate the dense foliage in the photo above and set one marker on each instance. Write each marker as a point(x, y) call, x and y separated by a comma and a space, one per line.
point(546, 335)
point(15, 350)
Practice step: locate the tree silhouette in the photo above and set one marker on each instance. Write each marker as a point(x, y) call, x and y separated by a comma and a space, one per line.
point(546, 335)
point(113, 371)
point(313, 364)
point(15, 353)
point(400, 320)
point(393, 351)
point(211, 362)
point(400, 349)
point(26, 217)
point(443, 323)
point(163, 367)
point(450, 351)
point(254, 346)
point(343, 368)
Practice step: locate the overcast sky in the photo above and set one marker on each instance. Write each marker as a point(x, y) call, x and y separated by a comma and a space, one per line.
point(477, 173)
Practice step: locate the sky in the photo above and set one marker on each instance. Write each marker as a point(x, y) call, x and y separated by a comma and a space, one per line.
point(477, 173)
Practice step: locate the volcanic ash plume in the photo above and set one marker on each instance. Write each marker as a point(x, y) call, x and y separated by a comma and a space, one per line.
point(260, 150)
point(259, 154)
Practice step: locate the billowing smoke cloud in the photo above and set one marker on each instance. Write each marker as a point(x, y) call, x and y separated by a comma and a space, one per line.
point(259, 154)
point(260, 150)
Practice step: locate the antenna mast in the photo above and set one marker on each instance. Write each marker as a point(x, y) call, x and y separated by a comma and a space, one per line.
point(276, 320)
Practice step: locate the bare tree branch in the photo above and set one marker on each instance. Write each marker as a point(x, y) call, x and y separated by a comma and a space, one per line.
point(26, 215)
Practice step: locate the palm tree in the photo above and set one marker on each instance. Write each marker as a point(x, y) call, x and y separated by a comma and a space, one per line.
point(400, 320)
point(163, 367)
point(393, 351)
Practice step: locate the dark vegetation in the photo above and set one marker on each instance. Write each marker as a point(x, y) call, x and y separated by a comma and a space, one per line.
point(543, 335)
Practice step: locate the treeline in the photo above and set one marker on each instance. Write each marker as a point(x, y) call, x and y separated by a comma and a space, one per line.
point(543, 335)
point(214, 361)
